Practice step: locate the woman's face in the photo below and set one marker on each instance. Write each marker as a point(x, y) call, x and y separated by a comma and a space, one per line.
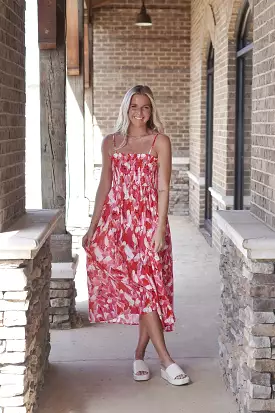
point(139, 110)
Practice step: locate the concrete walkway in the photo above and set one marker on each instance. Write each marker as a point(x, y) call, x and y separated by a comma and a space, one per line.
point(91, 367)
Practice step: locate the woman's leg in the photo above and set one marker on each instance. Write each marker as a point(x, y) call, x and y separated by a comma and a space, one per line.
point(155, 331)
point(143, 341)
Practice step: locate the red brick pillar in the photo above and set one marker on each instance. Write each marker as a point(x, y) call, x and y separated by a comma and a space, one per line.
point(263, 116)
point(12, 112)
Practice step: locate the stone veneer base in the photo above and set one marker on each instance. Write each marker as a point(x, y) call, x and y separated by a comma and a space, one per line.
point(25, 273)
point(62, 312)
point(247, 334)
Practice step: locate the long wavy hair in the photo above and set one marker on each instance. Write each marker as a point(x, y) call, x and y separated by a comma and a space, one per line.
point(122, 123)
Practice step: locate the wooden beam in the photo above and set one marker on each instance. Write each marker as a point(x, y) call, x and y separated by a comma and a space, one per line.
point(47, 24)
point(53, 120)
point(99, 3)
point(73, 64)
point(87, 4)
point(86, 50)
point(87, 8)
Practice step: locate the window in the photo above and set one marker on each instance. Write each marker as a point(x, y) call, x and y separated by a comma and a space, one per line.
point(209, 139)
point(243, 107)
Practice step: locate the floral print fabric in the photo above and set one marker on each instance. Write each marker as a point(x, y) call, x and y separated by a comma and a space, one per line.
point(126, 278)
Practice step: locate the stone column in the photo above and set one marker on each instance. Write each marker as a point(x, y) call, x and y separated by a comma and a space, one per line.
point(179, 188)
point(25, 272)
point(62, 313)
point(247, 335)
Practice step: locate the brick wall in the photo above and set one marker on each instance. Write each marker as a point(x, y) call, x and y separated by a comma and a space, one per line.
point(222, 152)
point(125, 55)
point(160, 56)
point(225, 21)
point(263, 118)
point(224, 75)
point(198, 63)
point(260, 131)
point(247, 122)
point(12, 111)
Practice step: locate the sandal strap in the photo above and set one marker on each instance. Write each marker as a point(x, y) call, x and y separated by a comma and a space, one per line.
point(174, 371)
point(140, 365)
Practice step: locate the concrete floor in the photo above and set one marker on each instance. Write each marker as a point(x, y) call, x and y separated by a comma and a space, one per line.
point(91, 367)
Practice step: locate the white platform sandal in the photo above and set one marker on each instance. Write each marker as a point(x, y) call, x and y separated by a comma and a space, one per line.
point(172, 372)
point(138, 367)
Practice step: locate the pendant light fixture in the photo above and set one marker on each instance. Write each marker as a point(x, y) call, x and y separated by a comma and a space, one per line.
point(143, 18)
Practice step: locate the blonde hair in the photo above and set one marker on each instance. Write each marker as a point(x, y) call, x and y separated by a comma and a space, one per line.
point(122, 123)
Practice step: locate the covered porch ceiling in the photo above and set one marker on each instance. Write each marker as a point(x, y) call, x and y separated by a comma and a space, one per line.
point(48, 26)
point(95, 4)
point(47, 17)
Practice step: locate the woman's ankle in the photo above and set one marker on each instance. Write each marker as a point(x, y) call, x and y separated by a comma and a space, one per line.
point(139, 354)
point(166, 361)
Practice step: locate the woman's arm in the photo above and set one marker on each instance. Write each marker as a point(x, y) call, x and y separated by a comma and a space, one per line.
point(164, 151)
point(104, 186)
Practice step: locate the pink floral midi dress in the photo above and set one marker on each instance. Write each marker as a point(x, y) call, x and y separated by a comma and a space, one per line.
point(126, 278)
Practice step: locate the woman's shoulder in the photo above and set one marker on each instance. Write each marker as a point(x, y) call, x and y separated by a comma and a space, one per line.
point(163, 145)
point(108, 138)
point(107, 144)
point(112, 137)
point(163, 140)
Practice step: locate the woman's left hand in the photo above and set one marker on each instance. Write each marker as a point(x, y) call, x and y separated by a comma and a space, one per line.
point(158, 241)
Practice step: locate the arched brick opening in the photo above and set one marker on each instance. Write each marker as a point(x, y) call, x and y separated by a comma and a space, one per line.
point(236, 10)
point(204, 35)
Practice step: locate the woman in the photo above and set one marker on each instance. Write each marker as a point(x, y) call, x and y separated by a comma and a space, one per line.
point(128, 244)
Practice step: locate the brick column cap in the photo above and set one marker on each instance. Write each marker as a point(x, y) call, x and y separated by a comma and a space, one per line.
point(251, 236)
point(63, 270)
point(24, 239)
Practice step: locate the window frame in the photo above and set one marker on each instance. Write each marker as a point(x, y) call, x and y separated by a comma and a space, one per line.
point(243, 47)
point(209, 138)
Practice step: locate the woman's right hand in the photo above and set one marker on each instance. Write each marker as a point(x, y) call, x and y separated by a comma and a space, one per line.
point(87, 237)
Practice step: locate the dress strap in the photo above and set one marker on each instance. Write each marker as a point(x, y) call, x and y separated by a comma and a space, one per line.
point(153, 143)
point(114, 143)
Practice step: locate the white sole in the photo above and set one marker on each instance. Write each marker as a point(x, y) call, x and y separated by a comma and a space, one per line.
point(141, 377)
point(174, 382)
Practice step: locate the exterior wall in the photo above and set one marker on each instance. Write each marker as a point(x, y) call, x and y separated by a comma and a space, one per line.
point(259, 170)
point(216, 234)
point(12, 112)
point(24, 329)
point(125, 55)
point(217, 25)
point(263, 117)
point(248, 123)
point(178, 203)
point(196, 200)
point(247, 335)
point(247, 328)
point(62, 313)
